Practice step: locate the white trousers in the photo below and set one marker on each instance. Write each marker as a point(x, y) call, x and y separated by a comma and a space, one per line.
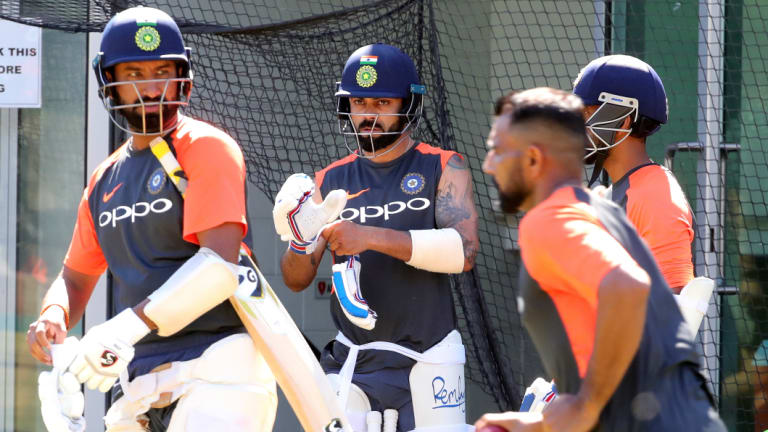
point(229, 387)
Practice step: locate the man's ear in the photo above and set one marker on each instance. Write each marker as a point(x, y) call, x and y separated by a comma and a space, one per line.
point(534, 159)
point(627, 123)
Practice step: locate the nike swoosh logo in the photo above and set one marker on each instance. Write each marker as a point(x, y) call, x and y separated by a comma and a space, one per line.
point(355, 195)
point(108, 196)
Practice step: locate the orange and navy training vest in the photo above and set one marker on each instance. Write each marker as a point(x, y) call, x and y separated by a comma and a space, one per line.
point(132, 221)
point(414, 307)
point(657, 207)
point(568, 244)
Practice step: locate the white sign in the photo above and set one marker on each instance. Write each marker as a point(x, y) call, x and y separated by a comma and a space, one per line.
point(20, 65)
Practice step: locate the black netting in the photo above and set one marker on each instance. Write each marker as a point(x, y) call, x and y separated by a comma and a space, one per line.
point(265, 72)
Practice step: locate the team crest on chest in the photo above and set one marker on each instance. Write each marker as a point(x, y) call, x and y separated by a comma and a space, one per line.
point(412, 183)
point(156, 181)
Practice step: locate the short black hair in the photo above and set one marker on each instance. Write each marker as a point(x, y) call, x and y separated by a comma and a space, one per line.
point(504, 103)
point(560, 108)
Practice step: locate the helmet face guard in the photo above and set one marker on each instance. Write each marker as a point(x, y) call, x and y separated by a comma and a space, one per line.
point(143, 34)
point(607, 120)
point(378, 71)
point(409, 116)
point(108, 91)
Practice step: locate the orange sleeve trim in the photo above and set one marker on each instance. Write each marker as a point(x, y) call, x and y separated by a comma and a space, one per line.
point(445, 155)
point(549, 236)
point(63, 309)
point(84, 254)
point(659, 210)
point(216, 172)
point(77, 263)
point(320, 175)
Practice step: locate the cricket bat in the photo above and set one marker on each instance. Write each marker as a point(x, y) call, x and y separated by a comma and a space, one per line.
point(274, 333)
point(286, 352)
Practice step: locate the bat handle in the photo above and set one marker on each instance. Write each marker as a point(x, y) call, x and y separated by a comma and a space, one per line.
point(390, 420)
point(373, 421)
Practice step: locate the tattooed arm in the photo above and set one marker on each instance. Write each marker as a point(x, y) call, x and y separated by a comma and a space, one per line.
point(455, 206)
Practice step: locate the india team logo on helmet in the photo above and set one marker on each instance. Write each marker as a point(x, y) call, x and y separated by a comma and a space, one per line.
point(143, 34)
point(378, 71)
point(147, 38)
point(366, 76)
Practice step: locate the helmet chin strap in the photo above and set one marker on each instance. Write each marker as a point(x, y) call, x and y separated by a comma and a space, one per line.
point(600, 158)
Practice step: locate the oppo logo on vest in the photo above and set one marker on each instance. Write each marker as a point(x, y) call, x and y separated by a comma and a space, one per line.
point(137, 210)
point(387, 210)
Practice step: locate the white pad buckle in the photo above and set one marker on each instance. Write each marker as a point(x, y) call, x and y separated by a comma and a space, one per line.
point(346, 284)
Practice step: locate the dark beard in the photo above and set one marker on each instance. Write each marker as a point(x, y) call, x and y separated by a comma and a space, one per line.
point(381, 142)
point(133, 116)
point(510, 202)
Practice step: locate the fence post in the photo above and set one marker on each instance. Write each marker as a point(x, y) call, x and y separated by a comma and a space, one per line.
point(709, 215)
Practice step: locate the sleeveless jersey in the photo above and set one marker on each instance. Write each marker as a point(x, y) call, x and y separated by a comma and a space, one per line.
point(568, 244)
point(414, 307)
point(657, 207)
point(133, 221)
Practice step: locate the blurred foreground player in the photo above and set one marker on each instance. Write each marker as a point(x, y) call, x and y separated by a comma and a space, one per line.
point(601, 315)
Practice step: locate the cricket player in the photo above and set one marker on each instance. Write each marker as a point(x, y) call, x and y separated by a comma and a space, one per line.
point(182, 356)
point(408, 220)
point(625, 103)
point(591, 296)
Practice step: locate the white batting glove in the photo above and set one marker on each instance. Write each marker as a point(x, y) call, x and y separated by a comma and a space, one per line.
point(61, 400)
point(298, 218)
point(106, 350)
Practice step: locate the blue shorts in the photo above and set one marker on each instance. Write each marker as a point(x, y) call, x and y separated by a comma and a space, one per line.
point(389, 389)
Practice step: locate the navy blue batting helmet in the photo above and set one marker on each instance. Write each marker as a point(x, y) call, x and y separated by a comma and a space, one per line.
point(625, 76)
point(141, 34)
point(379, 71)
point(623, 86)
